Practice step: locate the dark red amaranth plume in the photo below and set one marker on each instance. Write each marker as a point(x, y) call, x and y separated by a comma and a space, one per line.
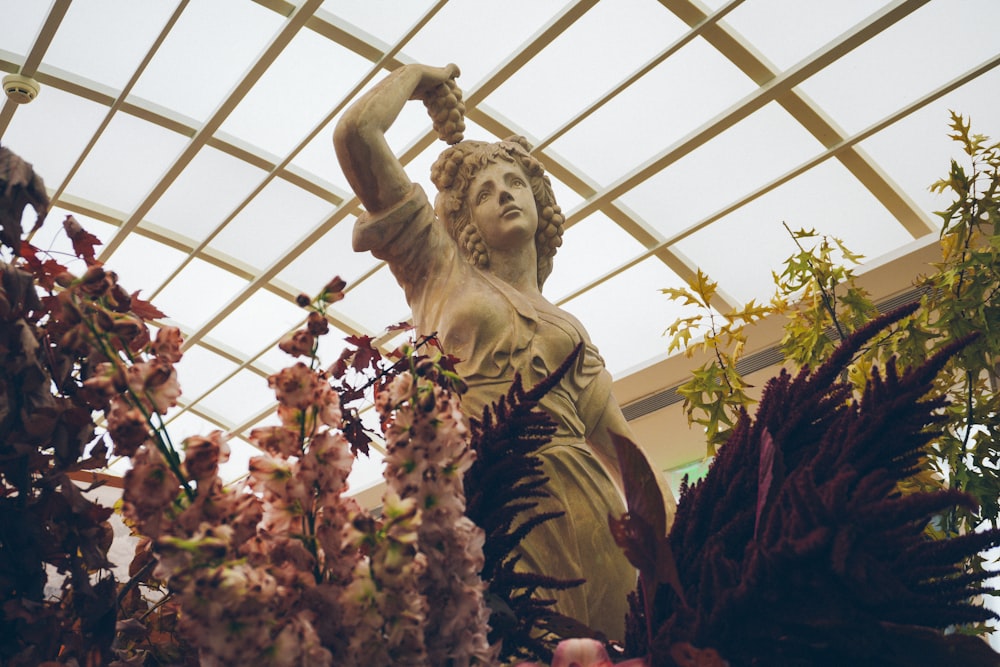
point(502, 489)
point(797, 548)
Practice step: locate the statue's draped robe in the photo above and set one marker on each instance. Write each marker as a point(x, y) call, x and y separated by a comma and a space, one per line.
point(496, 331)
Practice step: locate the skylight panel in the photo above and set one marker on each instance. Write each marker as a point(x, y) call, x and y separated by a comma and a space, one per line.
point(202, 59)
point(462, 33)
point(51, 132)
point(567, 197)
point(786, 31)
point(740, 250)
point(376, 303)
point(273, 221)
point(590, 248)
point(198, 292)
point(318, 157)
point(143, 264)
point(924, 50)
point(201, 369)
point(296, 92)
point(330, 256)
point(104, 41)
point(126, 162)
point(209, 189)
point(240, 453)
point(626, 316)
point(20, 25)
point(259, 321)
point(240, 398)
point(387, 20)
point(366, 471)
point(592, 56)
point(758, 149)
point(916, 151)
point(676, 97)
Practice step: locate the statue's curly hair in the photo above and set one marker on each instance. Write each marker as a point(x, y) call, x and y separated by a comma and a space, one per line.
point(452, 174)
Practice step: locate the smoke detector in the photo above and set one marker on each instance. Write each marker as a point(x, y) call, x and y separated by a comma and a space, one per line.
point(19, 88)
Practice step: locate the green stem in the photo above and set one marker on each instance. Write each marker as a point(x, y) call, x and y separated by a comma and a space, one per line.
point(829, 301)
point(160, 437)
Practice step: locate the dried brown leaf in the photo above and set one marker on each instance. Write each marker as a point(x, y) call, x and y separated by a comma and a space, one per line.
point(19, 186)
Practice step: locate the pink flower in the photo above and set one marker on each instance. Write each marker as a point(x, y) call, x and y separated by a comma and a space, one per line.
point(277, 440)
point(167, 346)
point(108, 379)
point(127, 426)
point(328, 403)
point(150, 488)
point(202, 456)
point(155, 383)
point(298, 343)
point(296, 386)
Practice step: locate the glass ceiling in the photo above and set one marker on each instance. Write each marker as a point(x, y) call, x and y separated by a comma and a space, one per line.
point(193, 137)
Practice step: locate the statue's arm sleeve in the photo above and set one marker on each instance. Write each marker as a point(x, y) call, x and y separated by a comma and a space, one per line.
point(411, 240)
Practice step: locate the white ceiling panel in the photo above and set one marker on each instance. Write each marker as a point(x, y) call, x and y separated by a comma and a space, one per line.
point(52, 136)
point(105, 41)
point(202, 197)
point(125, 163)
point(740, 250)
point(274, 220)
point(197, 65)
point(620, 36)
point(745, 157)
point(636, 125)
point(924, 50)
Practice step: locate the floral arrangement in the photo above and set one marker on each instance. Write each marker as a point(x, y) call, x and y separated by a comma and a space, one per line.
point(801, 505)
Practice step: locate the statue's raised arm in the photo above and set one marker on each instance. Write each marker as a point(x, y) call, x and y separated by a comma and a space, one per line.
point(374, 173)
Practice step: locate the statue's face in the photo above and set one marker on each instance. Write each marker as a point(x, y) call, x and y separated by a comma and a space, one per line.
point(502, 206)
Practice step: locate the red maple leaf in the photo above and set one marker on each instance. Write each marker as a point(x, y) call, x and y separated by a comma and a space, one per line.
point(44, 271)
point(145, 309)
point(83, 241)
point(367, 356)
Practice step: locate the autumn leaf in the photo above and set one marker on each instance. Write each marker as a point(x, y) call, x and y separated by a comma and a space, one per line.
point(19, 186)
point(45, 271)
point(400, 326)
point(679, 294)
point(83, 241)
point(145, 309)
point(367, 355)
point(642, 532)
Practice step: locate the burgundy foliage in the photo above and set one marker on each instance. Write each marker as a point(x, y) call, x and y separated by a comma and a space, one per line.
point(798, 549)
point(502, 488)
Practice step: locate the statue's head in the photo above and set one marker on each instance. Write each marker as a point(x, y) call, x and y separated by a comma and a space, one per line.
point(453, 173)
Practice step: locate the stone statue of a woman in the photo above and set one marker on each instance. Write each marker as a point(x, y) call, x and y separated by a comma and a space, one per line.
point(472, 267)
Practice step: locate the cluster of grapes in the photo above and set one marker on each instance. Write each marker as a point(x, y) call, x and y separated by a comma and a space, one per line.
point(447, 110)
point(444, 170)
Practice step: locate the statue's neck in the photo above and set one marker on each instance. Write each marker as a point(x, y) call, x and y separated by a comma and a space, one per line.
point(518, 269)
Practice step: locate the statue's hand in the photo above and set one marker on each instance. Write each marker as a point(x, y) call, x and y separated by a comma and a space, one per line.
point(443, 99)
point(431, 78)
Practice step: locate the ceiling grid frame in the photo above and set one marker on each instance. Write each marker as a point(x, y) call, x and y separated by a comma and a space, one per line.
point(709, 24)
